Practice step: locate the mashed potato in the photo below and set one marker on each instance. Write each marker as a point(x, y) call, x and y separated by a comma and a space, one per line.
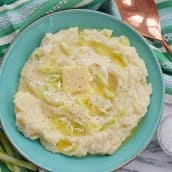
point(82, 92)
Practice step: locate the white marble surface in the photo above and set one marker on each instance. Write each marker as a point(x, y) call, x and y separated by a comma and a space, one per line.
point(153, 159)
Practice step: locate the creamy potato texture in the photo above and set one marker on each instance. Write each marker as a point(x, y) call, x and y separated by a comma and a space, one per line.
point(82, 92)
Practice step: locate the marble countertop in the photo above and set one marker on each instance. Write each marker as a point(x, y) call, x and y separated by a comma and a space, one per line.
point(152, 159)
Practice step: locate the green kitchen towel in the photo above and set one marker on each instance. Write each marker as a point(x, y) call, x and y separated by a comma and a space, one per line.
point(17, 14)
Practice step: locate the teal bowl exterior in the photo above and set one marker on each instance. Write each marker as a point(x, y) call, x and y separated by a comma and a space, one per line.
point(14, 61)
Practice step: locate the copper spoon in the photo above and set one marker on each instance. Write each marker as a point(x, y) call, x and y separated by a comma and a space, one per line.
point(144, 17)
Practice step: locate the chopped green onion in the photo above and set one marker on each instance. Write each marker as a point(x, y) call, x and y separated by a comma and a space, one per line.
point(108, 124)
point(44, 69)
point(90, 126)
point(45, 88)
point(102, 110)
point(39, 93)
point(65, 109)
point(61, 103)
point(66, 49)
point(101, 79)
point(64, 145)
point(124, 40)
point(48, 69)
point(80, 102)
point(116, 53)
point(108, 94)
point(55, 78)
point(6, 158)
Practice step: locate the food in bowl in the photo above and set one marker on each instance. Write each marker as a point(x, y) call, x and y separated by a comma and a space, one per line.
point(82, 92)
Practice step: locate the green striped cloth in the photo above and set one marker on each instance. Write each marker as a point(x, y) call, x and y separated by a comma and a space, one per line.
point(17, 14)
point(165, 59)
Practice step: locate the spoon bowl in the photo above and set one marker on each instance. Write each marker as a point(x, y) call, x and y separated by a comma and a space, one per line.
point(143, 16)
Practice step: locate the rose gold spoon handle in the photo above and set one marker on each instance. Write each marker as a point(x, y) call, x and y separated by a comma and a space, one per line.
point(166, 46)
point(144, 17)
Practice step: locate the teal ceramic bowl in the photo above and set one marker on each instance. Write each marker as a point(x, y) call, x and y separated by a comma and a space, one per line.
point(18, 54)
